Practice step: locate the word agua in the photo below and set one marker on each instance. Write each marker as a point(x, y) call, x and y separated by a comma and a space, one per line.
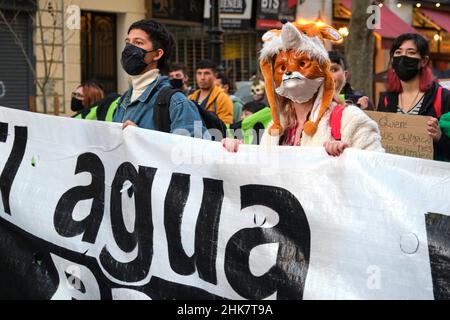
point(286, 277)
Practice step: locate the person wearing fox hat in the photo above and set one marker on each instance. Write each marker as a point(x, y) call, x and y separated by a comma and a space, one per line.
point(300, 88)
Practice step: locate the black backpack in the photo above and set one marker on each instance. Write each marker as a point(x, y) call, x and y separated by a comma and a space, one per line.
point(161, 115)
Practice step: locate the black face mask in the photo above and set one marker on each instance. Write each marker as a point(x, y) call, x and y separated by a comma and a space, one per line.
point(133, 59)
point(177, 83)
point(405, 67)
point(76, 105)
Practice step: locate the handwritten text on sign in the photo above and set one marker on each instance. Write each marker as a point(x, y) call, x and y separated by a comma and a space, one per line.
point(404, 135)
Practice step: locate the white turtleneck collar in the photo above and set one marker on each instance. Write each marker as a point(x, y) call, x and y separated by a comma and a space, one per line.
point(141, 82)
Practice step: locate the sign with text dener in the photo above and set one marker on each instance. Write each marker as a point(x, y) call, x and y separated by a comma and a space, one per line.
point(234, 14)
point(405, 135)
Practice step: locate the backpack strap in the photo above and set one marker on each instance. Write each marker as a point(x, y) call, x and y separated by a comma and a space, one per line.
point(104, 104)
point(438, 102)
point(335, 122)
point(161, 114)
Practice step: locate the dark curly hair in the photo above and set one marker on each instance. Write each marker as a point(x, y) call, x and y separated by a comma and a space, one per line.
point(206, 64)
point(160, 37)
point(177, 66)
point(225, 80)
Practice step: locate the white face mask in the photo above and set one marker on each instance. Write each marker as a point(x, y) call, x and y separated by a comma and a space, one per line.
point(298, 88)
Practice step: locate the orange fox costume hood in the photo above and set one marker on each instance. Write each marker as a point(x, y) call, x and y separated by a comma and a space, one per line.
point(298, 38)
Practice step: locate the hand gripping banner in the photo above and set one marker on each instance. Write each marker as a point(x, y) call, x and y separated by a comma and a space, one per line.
point(91, 211)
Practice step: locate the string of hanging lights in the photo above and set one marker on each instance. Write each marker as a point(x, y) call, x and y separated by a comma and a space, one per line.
point(418, 4)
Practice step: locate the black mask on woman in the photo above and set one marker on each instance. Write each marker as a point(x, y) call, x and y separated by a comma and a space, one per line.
point(406, 67)
point(176, 83)
point(76, 105)
point(133, 59)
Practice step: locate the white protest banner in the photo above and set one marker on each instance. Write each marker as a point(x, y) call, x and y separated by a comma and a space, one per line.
point(91, 211)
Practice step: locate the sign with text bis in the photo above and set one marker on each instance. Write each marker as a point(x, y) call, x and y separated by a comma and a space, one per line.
point(405, 135)
point(270, 12)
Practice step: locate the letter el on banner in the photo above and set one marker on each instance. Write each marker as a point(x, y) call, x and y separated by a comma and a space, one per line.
point(405, 135)
point(91, 211)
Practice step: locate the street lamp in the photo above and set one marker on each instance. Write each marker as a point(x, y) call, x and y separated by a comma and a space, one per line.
point(215, 33)
point(438, 38)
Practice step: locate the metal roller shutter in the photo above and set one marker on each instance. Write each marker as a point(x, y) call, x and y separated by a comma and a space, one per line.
point(191, 46)
point(239, 51)
point(15, 75)
point(239, 55)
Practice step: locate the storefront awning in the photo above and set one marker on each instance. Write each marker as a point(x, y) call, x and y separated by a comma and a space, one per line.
point(442, 19)
point(391, 25)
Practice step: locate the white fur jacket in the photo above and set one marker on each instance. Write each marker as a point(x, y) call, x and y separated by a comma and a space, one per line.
point(357, 130)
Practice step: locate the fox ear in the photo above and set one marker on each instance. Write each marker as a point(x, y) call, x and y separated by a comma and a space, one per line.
point(330, 33)
point(271, 34)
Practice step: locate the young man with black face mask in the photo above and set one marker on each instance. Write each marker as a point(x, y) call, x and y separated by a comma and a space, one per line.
point(412, 90)
point(179, 79)
point(145, 57)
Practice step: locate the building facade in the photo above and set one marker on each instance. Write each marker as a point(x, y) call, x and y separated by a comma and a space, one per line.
point(50, 46)
point(399, 17)
point(53, 45)
point(17, 47)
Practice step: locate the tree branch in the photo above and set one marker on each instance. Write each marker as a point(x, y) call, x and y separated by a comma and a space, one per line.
point(53, 44)
point(44, 53)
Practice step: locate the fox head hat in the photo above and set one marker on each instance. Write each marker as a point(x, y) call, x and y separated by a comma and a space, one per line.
point(301, 42)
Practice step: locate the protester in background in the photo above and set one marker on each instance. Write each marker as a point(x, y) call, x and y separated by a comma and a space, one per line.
point(255, 118)
point(146, 54)
point(258, 90)
point(344, 93)
point(86, 95)
point(251, 108)
point(412, 90)
point(89, 102)
point(223, 82)
point(179, 78)
point(210, 97)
